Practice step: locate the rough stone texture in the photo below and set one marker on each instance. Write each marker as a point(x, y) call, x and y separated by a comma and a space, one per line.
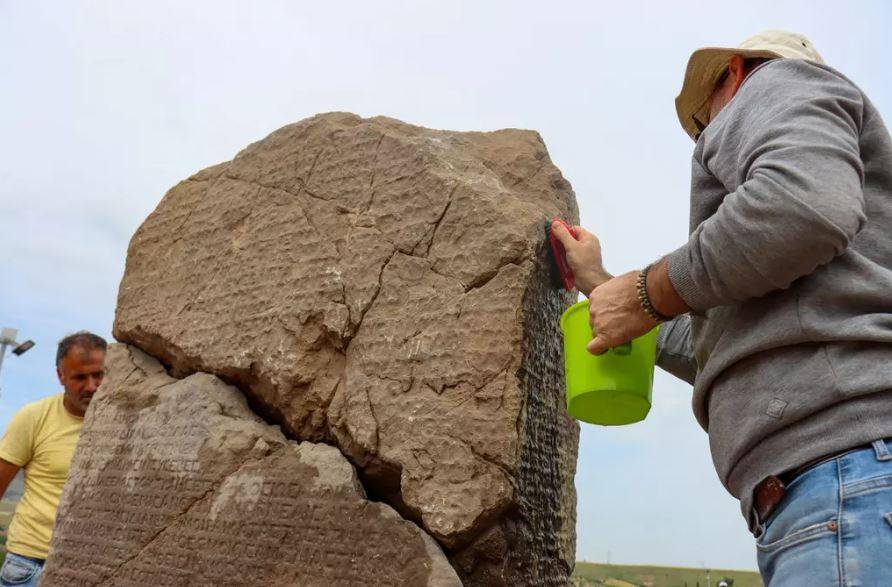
point(177, 482)
point(383, 288)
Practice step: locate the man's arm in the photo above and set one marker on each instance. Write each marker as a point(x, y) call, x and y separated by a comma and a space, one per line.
point(674, 352)
point(796, 136)
point(801, 204)
point(7, 473)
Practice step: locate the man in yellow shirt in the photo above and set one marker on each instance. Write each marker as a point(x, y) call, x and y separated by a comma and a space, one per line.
point(41, 438)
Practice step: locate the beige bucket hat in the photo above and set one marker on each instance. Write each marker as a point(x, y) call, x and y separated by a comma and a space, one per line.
point(707, 65)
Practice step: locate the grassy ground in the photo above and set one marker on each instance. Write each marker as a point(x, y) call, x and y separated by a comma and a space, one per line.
point(644, 576)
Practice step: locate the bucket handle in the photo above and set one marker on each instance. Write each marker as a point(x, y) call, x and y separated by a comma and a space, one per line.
point(623, 349)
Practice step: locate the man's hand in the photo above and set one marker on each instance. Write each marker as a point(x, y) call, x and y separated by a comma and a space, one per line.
point(583, 256)
point(616, 315)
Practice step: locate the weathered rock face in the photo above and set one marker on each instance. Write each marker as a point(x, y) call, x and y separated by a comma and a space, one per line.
point(384, 288)
point(177, 482)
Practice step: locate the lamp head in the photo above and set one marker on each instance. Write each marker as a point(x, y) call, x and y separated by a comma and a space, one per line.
point(23, 348)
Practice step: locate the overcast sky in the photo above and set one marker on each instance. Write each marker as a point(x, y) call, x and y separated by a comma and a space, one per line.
point(106, 105)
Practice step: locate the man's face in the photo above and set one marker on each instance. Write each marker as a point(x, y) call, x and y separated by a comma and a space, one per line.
point(80, 373)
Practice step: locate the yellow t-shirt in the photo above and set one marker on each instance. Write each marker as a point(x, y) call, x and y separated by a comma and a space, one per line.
point(41, 438)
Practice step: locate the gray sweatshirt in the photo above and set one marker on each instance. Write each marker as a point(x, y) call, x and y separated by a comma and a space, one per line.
point(789, 272)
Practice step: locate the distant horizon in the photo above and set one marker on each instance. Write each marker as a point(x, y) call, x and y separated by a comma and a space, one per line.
point(679, 567)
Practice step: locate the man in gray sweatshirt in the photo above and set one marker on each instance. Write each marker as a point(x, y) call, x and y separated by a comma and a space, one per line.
point(779, 307)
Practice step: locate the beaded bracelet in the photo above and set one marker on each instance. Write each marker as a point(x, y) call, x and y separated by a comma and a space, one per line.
point(644, 299)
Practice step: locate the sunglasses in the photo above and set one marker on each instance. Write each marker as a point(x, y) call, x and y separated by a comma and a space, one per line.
point(701, 116)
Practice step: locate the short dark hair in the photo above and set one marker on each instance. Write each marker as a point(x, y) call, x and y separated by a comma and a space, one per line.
point(83, 340)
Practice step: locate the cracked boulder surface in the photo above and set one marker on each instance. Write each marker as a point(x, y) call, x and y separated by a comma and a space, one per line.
point(383, 288)
point(177, 482)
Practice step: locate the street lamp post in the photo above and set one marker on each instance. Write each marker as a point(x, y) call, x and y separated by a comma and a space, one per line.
point(7, 339)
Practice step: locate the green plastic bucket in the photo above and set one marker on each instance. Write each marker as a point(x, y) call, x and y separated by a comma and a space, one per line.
point(610, 389)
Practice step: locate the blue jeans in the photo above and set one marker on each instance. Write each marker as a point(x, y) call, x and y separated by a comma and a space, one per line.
point(834, 527)
point(21, 571)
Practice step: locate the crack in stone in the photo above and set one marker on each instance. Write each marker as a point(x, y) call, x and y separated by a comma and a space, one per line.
point(526, 179)
point(467, 397)
point(346, 305)
point(310, 221)
point(127, 377)
point(402, 382)
point(372, 175)
point(482, 457)
point(179, 231)
point(499, 373)
point(368, 205)
point(197, 296)
point(136, 366)
point(439, 221)
point(443, 275)
point(374, 165)
point(303, 189)
point(480, 386)
point(374, 297)
point(401, 178)
point(306, 181)
point(185, 511)
point(368, 398)
point(482, 280)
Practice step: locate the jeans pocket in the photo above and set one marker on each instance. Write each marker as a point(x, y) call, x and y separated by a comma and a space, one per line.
point(798, 537)
point(16, 571)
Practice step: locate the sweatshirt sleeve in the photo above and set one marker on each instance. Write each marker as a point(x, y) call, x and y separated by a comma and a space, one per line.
point(793, 140)
point(675, 353)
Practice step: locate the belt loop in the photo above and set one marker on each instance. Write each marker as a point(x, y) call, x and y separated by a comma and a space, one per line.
point(759, 528)
point(883, 454)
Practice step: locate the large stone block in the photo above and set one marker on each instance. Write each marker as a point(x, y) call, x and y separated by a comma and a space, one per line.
point(384, 288)
point(177, 482)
